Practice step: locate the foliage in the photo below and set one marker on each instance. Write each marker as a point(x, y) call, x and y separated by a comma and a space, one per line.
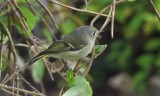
point(78, 85)
point(135, 48)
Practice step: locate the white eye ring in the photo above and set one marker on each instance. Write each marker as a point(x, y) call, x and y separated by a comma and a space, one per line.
point(94, 33)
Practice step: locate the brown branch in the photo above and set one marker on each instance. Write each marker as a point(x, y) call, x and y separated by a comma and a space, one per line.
point(51, 16)
point(55, 39)
point(11, 93)
point(10, 40)
point(107, 20)
point(155, 9)
point(76, 9)
point(102, 11)
point(113, 14)
point(1, 52)
point(21, 90)
point(31, 86)
point(97, 16)
point(24, 25)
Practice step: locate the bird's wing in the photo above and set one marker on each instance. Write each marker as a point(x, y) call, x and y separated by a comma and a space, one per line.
point(56, 47)
point(60, 46)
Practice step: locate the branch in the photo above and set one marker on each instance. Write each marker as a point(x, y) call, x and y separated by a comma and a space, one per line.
point(107, 20)
point(21, 90)
point(55, 39)
point(113, 14)
point(76, 9)
point(155, 9)
point(48, 13)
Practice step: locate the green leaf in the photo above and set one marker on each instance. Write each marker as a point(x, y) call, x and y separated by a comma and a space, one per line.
point(138, 80)
point(31, 18)
point(112, 56)
point(67, 26)
point(99, 5)
point(4, 64)
point(157, 61)
point(81, 87)
point(99, 49)
point(116, 45)
point(145, 61)
point(134, 24)
point(126, 13)
point(6, 39)
point(48, 35)
point(70, 78)
point(152, 44)
point(37, 71)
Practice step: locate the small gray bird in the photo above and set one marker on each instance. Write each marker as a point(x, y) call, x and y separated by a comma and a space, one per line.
point(73, 46)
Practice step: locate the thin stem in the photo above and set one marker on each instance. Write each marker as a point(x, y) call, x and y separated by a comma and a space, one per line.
point(102, 11)
point(42, 88)
point(55, 39)
point(62, 90)
point(24, 25)
point(113, 14)
point(10, 92)
point(76, 9)
point(28, 83)
point(107, 20)
point(21, 90)
point(10, 40)
point(17, 83)
point(1, 52)
point(51, 16)
point(155, 9)
point(98, 15)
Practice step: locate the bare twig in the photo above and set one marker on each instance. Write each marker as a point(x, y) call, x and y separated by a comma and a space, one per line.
point(155, 9)
point(4, 12)
point(98, 15)
point(42, 88)
point(48, 13)
point(86, 2)
point(91, 61)
point(49, 71)
point(29, 84)
point(5, 78)
point(76, 9)
point(58, 71)
point(21, 90)
point(1, 52)
point(22, 45)
point(21, 19)
point(107, 20)
point(55, 39)
point(62, 90)
point(113, 14)
point(10, 40)
point(102, 11)
point(24, 25)
point(76, 68)
point(9, 92)
point(17, 83)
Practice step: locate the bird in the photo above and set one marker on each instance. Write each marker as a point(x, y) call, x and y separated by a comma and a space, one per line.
point(73, 46)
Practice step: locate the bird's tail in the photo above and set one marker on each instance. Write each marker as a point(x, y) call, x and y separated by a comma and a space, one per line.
point(37, 57)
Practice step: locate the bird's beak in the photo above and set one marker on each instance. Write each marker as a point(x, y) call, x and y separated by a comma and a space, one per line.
point(98, 34)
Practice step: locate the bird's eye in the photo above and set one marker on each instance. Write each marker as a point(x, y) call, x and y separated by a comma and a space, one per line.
point(94, 33)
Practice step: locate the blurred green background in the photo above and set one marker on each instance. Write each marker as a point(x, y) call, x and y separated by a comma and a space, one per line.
point(131, 60)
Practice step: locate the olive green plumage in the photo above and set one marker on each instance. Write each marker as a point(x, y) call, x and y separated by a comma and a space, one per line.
point(73, 46)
